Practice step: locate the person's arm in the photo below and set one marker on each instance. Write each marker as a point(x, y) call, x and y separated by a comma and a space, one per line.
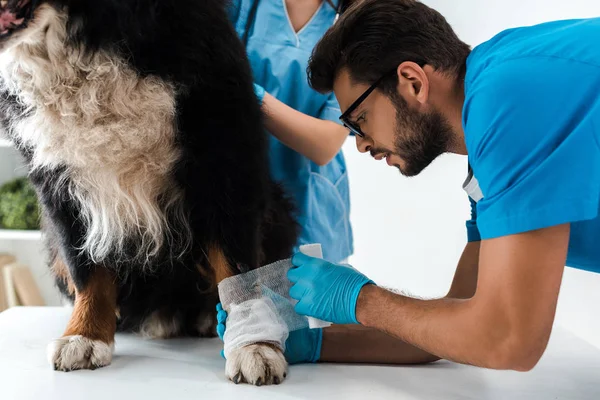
point(505, 325)
point(371, 346)
point(464, 283)
point(319, 140)
point(356, 344)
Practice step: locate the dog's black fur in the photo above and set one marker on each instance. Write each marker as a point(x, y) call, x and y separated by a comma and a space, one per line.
point(229, 197)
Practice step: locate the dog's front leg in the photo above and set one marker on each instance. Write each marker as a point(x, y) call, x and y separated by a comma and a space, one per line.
point(88, 341)
point(258, 363)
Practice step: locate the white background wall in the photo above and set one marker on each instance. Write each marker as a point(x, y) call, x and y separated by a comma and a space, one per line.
point(410, 232)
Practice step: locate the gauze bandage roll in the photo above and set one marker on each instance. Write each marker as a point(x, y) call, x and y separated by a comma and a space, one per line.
point(259, 308)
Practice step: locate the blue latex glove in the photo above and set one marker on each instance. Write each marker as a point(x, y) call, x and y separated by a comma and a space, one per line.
point(302, 346)
point(324, 290)
point(259, 91)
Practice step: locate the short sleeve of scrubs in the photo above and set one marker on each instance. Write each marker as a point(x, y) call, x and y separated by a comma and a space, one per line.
point(531, 129)
point(331, 110)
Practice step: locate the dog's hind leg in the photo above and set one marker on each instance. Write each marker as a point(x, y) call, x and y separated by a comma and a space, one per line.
point(88, 341)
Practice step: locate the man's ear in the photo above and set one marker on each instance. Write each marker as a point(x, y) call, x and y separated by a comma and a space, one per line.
point(413, 82)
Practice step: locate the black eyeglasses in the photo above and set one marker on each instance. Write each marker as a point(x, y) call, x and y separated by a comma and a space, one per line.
point(345, 118)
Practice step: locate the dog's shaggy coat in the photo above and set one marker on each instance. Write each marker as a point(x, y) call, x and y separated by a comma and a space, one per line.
point(144, 140)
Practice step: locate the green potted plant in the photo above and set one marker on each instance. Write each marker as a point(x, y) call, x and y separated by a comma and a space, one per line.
point(19, 207)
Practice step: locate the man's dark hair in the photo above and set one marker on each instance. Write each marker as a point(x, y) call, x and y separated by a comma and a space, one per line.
point(375, 36)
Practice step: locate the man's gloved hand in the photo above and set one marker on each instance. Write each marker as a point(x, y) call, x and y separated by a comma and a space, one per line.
point(302, 346)
point(325, 291)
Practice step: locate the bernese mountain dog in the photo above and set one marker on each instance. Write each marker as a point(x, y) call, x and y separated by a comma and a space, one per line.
point(145, 143)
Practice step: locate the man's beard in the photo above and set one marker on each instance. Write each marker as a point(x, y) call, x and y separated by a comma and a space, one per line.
point(419, 138)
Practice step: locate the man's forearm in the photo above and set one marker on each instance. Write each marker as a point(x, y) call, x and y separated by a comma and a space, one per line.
point(452, 329)
point(358, 344)
point(370, 345)
point(447, 327)
point(508, 321)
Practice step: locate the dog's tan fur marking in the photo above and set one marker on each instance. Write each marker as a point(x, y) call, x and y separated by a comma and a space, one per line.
point(219, 264)
point(94, 310)
point(61, 271)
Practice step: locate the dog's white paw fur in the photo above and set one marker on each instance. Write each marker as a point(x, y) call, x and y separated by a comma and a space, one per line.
point(157, 326)
point(77, 352)
point(257, 364)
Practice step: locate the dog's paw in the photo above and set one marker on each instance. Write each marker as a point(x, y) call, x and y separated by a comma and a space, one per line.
point(257, 364)
point(77, 352)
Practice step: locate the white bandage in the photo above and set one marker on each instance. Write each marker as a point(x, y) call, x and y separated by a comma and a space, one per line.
point(259, 308)
point(254, 321)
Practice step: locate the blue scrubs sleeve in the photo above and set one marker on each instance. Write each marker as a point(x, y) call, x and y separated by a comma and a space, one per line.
point(532, 140)
point(233, 10)
point(331, 110)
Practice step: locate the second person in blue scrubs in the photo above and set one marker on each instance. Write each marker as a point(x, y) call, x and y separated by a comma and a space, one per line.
point(305, 146)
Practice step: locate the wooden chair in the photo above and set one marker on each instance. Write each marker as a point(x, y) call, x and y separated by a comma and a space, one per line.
point(17, 285)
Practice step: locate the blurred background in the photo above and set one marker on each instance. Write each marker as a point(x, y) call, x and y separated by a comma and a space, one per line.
point(409, 233)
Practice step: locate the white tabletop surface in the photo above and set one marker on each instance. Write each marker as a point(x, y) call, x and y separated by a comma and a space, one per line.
point(193, 369)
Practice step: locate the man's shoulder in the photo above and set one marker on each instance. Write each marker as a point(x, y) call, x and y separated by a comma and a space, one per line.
point(521, 75)
point(574, 40)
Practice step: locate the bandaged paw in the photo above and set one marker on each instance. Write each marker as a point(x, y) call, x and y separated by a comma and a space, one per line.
point(254, 321)
point(259, 309)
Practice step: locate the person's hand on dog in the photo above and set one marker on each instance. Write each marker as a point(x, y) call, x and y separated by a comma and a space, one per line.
point(324, 290)
point(302, 346)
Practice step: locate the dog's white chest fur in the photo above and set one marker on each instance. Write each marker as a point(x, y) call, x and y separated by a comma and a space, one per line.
point(112, 130)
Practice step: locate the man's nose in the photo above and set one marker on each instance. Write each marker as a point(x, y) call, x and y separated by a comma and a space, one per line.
point(362, 144)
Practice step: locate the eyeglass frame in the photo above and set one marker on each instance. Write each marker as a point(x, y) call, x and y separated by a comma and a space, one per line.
point(344, 118)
